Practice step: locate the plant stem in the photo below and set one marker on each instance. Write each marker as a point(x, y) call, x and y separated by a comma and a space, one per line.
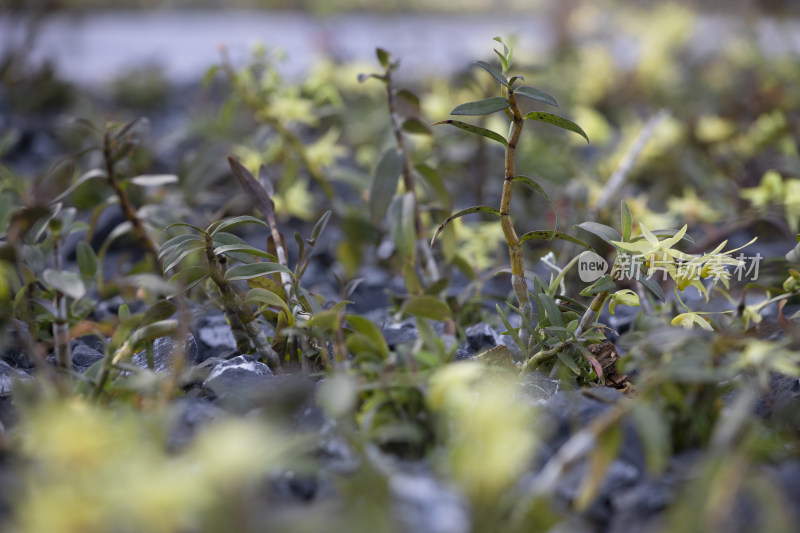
point(60, 325)
point(429, 268)
point(242, 320)
point(139, 231)
point(518, 282)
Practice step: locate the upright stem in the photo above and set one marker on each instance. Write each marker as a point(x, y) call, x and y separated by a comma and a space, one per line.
point(243, 322)
point(139, 231)
point(518, 282)
point(60, 324)
point(429, 267)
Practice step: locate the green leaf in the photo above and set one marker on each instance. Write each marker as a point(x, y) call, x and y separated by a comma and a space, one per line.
point(427, 307)
point(536, 94)
point(627, 220)
point(91, 175)
point(189, 277)
point(263, 296)
point(87, 260)
point(252, 187)
point(555, 120)
point(601, 285)
point(542, 235)
point(401, 225)
point(367, 328)
point(161, 310)
point(254, 270)
point(408, 96)
point(383, 57)
point(467, 211)
point(415, 125)
point(551, 310)
point(243, 248)
point(178, 254)
point(364, 77)
point(181, 242)
point(489, 134)
point(184, 224)
point(384, 183)
point(319, 227)
point(482, 107)
point(606, 233)
point(565, 356)
point(65, 282)
point(598, 369)
point(538, 188)
point(496, 74)
point(503, 61)
point(153, 331)
point(512, 332)
point(651, 285)
point(235, 221)
point(431, 178)
point(154, 180)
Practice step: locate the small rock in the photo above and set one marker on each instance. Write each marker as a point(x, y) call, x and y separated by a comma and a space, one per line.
point(162, 353)
point(13, 352)
point(84, 356)
point(7, 376)
point(481, 337)
point(214, 337)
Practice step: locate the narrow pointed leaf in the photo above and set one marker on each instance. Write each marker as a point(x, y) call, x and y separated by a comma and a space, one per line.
point(431, 178)
point(496, 74)
point(87, 259)
point(319, 227)
point(251, 186)
point(475, 129)
point(482, 107)
point(383, 57)
point(543, 235)
point(503, 61)
point(467, 211)
point(154, 180)
point(415, 125)
point(235, 221)
point(176, 242)
point(536, 94)
point(555, 120)
point(254, 270)
point(652, 286)
point(565, 356)
point(606, 233)
point(401, 226)
point(384, 183)
point(538, 188)
point(367, 328)
point(263, 296)
point(408, 96)
point(627, 220)
point(91, 175)
point(243, 248)
point(178, 254)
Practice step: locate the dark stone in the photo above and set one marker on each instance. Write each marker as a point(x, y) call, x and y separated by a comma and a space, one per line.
point(7, 376)
point(214, 337)
point(13, 352)
point(396, 334)
point(242, 384)
point(162, 353)
point(84, 356)
point(481, 337)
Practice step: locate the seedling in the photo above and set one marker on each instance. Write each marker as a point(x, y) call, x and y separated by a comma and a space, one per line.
point(508, 103)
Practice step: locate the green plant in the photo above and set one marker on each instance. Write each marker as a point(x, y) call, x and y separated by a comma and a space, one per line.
point(396, 162)
point(508, 103)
